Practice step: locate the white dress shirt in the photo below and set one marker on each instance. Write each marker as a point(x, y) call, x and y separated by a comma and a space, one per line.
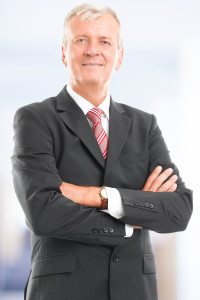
point(115, 206)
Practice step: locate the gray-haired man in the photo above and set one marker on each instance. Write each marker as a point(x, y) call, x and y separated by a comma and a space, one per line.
point(93, 176)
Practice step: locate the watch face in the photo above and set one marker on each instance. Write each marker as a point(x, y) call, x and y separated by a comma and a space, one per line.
point(104, 194)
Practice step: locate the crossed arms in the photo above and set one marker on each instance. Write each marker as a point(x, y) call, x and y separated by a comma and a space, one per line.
point(58, 209)
point(158, 181)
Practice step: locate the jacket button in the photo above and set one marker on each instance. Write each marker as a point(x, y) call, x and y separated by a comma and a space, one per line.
point(140, 204)
point(136, 203)
point(110, 230)
point(101, 230)
point(105, 229)
point(146, 205)
point(115, 257)
point(151, 206)
point(94, 230)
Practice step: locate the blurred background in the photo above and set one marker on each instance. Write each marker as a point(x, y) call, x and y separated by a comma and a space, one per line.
point(160, 74)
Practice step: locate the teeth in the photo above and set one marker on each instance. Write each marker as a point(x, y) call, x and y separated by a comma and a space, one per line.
point(92, 64)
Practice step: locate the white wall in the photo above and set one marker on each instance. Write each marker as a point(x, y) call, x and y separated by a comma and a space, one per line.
point(160, 74)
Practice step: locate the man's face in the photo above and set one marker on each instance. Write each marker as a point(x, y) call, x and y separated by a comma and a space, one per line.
point(92, 52)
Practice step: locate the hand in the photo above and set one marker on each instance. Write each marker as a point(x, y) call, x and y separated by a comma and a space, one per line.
point(156, 181)
point(83, 195)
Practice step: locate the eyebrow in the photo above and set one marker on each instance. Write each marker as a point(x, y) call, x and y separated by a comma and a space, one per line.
point(105, 37)
point(100, 36)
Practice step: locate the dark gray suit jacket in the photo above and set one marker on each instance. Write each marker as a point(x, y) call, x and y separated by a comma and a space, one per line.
point(80, 253)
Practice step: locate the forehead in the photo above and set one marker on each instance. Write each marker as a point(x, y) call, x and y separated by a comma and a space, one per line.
point(105, 25)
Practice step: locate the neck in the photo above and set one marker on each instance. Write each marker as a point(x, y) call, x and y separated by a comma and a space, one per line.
point(93, 94)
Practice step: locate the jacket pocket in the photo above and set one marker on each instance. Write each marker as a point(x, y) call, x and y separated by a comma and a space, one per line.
point(134, 157)
point(149, 264)
point(54, 264)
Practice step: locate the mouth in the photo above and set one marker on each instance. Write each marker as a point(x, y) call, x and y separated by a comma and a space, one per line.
point(92, 65)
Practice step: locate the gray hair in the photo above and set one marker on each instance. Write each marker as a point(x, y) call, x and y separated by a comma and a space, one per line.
point(89, 12)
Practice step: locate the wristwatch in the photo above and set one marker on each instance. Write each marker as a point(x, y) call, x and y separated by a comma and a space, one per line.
point(104, 198)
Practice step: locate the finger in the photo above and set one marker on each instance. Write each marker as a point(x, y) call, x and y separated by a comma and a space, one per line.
point(61, 187)
point(156, 184)
point(173, 188)
point(152, 177)
point(137, 227)
point(168, 184)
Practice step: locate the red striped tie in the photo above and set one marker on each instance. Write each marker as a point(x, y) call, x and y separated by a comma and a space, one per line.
point(94, 115)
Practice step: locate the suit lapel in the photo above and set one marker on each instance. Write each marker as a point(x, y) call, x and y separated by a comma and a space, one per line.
point(74, 118)
point(119, 126)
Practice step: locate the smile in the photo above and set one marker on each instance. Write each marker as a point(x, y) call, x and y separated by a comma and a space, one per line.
point(93, 65)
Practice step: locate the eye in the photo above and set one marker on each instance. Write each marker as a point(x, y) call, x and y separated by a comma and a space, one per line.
point(104, 42)
point(81, 40)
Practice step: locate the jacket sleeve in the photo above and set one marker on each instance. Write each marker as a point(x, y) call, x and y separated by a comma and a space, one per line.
point(162, 212)
point(36, 182)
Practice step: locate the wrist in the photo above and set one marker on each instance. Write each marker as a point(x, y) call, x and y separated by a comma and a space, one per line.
point(104, 198)
point(93, 196)
point(98, 198)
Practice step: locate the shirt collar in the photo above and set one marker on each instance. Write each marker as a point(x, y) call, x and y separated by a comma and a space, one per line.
point(85, 105)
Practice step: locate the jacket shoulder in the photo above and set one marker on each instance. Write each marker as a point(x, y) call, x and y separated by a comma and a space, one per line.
point(39, 107)
point(133, 112)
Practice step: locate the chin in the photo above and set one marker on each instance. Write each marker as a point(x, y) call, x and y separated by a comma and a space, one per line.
point(94, 81)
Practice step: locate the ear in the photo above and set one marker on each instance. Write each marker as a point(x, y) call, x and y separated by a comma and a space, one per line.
point(63, 56)
point(120, 58)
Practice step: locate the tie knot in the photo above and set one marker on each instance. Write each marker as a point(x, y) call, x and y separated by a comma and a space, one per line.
point(94, 115)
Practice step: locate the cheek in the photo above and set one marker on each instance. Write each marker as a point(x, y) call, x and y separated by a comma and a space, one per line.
point(74, 54)
point(74, 62)
point(112, 58)
point(111, 63)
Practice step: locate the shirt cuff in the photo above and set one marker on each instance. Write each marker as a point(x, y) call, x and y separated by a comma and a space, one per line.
point(116, 209)
point(129, 230)
point(115, 205)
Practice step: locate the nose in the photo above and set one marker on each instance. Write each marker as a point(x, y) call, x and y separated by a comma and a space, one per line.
point(92, 49)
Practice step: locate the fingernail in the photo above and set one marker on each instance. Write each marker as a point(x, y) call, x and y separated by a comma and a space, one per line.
point(170, 170)
point(159, 168)
point(175, 177)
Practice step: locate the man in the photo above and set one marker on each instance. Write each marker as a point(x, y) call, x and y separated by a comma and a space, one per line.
point(93, 176)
